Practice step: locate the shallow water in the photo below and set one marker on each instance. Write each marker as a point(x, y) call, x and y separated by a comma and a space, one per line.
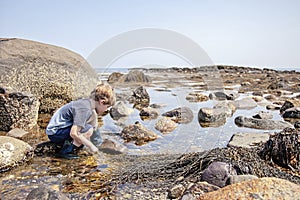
point(171, 90)
point(84, 175)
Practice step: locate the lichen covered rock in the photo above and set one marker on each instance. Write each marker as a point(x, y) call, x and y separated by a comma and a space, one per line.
point(13, 152)
point(53, 74)
point(18, 110)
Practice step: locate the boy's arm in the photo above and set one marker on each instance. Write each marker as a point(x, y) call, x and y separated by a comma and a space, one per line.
point(79, 138)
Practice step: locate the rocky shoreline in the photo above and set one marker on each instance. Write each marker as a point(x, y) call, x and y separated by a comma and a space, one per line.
point(252, 161)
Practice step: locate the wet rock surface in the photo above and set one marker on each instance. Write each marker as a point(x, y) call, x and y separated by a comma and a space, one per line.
point(265, 124)
point(212, 115)
point(180, 115)
point(112, 146)
point(138, 134)
point(217, 173)
point(165, 125)
point(46, 193)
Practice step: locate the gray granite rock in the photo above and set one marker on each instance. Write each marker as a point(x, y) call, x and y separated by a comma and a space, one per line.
point(182, 115)
point(120, 109)
point(17, 133)
point(265, 124)
point(217, 173)
point(245, 103)
point(247, 140)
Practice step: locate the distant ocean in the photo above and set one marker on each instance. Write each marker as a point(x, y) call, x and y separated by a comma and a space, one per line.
point(108, 70)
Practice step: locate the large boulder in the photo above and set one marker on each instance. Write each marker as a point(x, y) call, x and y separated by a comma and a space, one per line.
point(13, 152)
point(53, 74)
point(18, 110)
point(135, 76)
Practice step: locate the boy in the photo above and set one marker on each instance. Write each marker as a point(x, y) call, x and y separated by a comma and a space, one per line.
point(72, 125)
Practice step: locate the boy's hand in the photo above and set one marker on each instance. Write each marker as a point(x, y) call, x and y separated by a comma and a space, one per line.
point(94, 150)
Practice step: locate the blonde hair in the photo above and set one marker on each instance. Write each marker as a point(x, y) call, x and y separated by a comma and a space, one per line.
point(104, 92)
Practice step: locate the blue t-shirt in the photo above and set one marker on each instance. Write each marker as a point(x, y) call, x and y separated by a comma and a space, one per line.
point(74, 113)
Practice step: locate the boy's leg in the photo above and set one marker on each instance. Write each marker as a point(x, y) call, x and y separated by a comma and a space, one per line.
point(63, 137)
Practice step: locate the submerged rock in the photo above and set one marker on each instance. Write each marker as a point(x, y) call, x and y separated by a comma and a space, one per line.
point(13, 152)
point(45, 193)
point(112, 146)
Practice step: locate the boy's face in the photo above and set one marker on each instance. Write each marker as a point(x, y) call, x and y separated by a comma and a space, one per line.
point(101, 107)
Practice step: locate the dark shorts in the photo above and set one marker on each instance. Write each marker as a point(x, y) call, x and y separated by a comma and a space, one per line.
point(63, 134)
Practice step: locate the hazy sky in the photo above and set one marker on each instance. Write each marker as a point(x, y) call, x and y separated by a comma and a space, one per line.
point(263, 33)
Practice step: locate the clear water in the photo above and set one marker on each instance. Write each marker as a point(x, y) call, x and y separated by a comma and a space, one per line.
point(186, 137)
